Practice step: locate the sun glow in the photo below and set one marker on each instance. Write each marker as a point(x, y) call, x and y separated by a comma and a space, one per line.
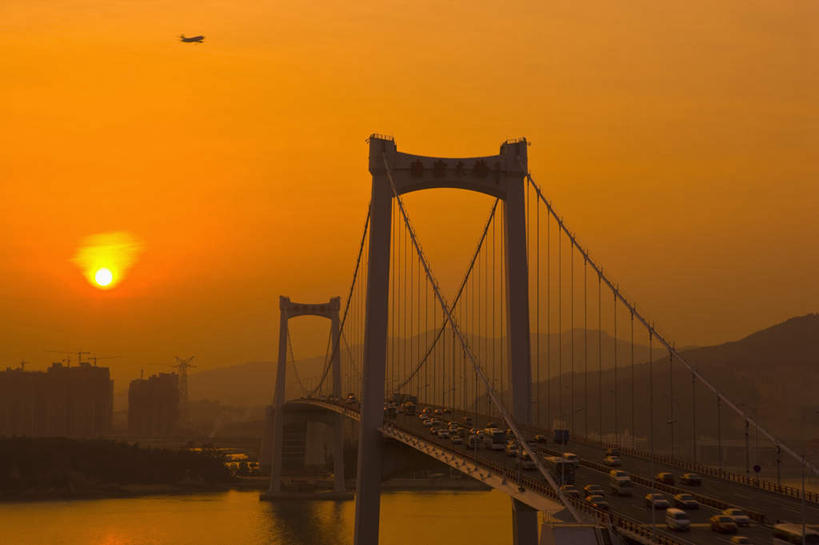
point(106, 257)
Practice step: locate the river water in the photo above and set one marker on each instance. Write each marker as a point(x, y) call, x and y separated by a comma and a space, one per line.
point(407, 518)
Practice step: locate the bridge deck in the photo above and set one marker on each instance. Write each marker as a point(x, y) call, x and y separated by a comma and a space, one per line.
point(628, 514)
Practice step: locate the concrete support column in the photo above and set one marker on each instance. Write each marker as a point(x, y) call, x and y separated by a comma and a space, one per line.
point(517, 301)
point(519, 357)
point(278, 406)
point(368, 491)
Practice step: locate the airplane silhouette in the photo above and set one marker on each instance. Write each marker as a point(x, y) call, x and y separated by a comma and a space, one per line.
point(192, 39)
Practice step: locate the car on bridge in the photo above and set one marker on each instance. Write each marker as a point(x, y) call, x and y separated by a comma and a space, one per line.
point(594, 490)
point(560, 469)
point(741, 540)
point(511, 448)
point(350, 398)
point(494, 439)
point(738, 515)
point(473, 441)
point(612, 451)
point(686, 501)
point(572, 458)
point(620, 483)
point(665, 477)
point(677, 519)
point(456, 437)
point(540, 438)
point(656, 501)
point(612, 461)
point(723, 524)
point(526, 461)
point(691, 479)
point(598, 501)
point(570, 491)
point(443, 433)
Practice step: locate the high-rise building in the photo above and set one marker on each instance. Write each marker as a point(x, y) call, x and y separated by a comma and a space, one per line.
point(61, 401)
point(153, 405)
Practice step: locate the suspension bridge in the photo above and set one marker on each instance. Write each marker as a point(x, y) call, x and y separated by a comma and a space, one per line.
point(539, 342)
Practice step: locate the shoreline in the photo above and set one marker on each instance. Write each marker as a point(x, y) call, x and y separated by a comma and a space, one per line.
point(137, 491)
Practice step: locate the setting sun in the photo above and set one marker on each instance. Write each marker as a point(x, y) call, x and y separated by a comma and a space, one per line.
point(103, 277)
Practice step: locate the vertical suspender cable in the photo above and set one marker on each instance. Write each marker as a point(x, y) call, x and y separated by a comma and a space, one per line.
point(560, 410)
point(719, 431)
point(633, 389)
point(494, 332)
point(548, 319)
point(693, 417)
point(616, 413)
point(538, 386)
point(585, 348)
point(600, 354)
point(571, 330)
point(671, 398)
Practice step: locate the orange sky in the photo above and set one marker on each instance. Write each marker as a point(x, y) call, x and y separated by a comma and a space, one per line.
point(679, 139)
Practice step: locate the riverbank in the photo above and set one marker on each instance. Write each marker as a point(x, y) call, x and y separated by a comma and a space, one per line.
point(58, 468)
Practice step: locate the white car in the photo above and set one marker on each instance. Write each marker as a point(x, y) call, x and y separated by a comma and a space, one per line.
point(738, 515)
point(677, 519)
point(657, 501)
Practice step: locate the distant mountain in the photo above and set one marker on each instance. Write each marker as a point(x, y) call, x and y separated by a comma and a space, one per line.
point(772, 374)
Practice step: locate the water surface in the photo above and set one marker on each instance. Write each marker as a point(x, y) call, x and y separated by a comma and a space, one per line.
point(408, 518)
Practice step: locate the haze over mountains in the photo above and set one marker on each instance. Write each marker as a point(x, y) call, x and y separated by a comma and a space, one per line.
point(773, 372)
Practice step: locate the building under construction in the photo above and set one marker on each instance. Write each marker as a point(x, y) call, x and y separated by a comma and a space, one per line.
point(153, 405)
point(61, 401)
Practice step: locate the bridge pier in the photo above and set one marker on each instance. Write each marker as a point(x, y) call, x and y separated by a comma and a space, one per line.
point(278, 407)
point(524, 524)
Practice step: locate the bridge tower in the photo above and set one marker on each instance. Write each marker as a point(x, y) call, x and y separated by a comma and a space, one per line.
point(501, 176)
point(289, 309)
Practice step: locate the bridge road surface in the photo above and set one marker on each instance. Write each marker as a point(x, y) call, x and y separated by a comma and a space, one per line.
point(775, 507)
point(633, 506)
point(630, 506)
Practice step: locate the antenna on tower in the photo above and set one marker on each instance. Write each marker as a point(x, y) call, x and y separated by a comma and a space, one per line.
point(183, 364)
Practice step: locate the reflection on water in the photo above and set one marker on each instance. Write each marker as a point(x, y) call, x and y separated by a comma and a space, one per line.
point(240, 518)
